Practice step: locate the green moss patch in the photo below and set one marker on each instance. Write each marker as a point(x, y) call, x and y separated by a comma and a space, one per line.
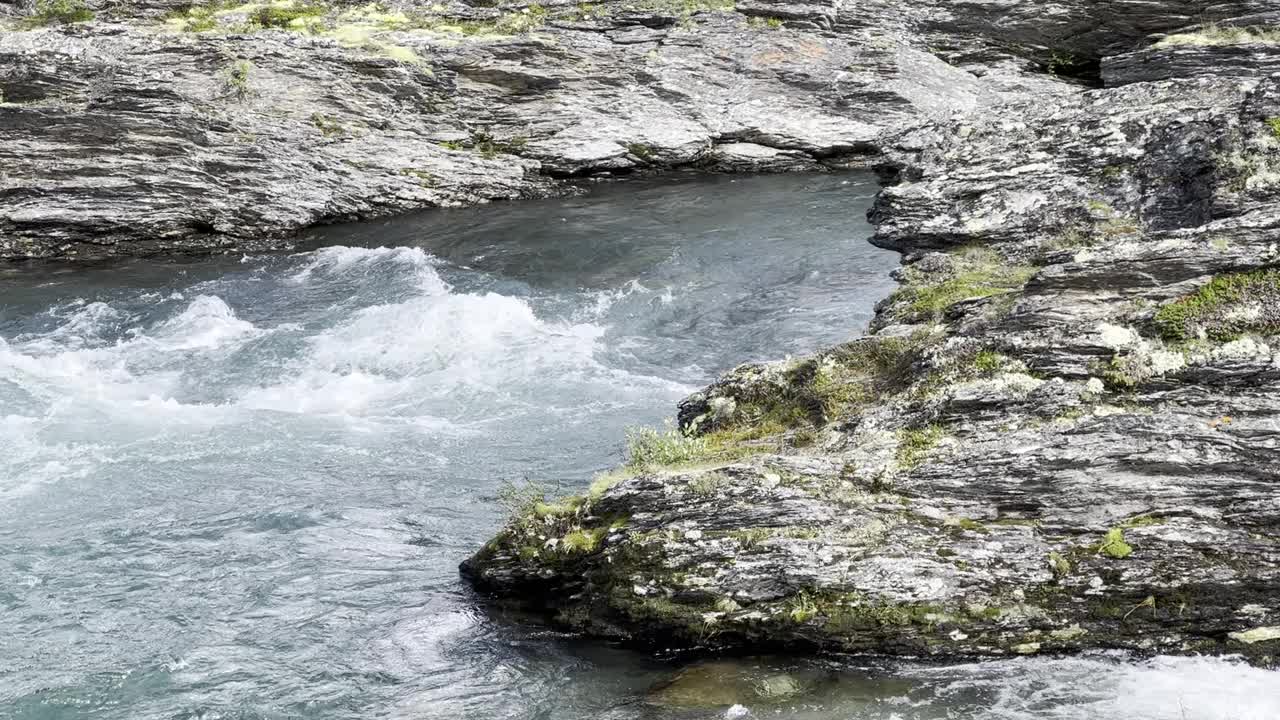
point(976, 272)
point(914, 445)
point(1113, 545)
point(59, 12)
point(1225, 309)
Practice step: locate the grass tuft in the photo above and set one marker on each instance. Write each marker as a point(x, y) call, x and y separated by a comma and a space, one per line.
point(59, 12)
point(1228, 307)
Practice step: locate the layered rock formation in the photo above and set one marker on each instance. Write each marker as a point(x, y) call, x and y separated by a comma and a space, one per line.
point(1063, 432)
point(232, 129)
point(165, 126)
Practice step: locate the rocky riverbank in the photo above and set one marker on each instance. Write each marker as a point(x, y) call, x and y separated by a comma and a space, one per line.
point(1062, 432)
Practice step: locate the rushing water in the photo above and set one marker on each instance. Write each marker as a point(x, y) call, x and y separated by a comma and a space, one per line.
point(240, 488)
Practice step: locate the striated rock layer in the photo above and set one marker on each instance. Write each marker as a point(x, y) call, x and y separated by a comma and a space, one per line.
point(163, 126)
point(1062, 432)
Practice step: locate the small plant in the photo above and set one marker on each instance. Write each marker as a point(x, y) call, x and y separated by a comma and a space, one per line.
point(327, 125)
point(914, 445)
point(1124, 372)
point(489, 147)
point(60, 12)
point(580, 541)
point(801, 608)
point(1224, 309)
point(772, 23)
point(1114, 546)
point(1274, 124)
point(284, 16)
point(1060, 566)
point(521, 22)
point(236, 80)
point(978, 272)
point(425, 179)
point(641, 151)
point(650, 447)
point(988, 362)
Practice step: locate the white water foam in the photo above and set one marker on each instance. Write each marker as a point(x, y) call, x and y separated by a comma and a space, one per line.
point(1112, 686)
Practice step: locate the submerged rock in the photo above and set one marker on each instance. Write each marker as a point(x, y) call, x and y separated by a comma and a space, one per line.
point(728, 683)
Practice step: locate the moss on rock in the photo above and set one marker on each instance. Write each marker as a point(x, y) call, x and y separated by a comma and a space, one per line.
point(1226, 308)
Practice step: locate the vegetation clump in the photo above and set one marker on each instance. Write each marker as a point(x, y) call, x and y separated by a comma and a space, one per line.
point(914, 445)
point(976, 272)
point(651, 448)
point(486, 145)
point(1113, 545)
point(819, 390)
point(236, 79)
point(771, 23)
point(1225, 309)
point(59, 12)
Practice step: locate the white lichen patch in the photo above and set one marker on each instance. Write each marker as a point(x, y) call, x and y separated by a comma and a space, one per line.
point(1068, 633)
point(1164, 361)
point(1116, 336)
point(1257, 635)
point(1242, 348)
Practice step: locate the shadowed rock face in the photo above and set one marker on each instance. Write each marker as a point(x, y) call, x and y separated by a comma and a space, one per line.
point(1063, 431)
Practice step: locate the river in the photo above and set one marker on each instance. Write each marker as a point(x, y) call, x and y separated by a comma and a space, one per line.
point(239, 487)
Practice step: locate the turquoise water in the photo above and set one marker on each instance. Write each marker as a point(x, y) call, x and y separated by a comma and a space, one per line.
point(240, 487)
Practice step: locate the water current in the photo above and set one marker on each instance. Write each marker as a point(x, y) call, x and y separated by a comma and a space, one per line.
point(240, 487)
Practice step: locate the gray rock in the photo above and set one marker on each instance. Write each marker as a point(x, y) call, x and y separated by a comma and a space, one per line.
point(1063, 433)
point(126, 136)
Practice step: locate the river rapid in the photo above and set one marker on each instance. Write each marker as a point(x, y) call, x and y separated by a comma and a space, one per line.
point(240, 487)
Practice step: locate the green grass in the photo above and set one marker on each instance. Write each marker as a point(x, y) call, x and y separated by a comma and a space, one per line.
point(978, 272)
point(988, 362)
point(1274, 124)
point(914, 445)
point(59, 12)
point(771, 23)
point(651, 448)
point(1214, 311)
point(285, 16)
point(236, 80)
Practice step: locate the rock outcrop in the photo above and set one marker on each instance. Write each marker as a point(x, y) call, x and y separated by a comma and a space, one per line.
point(233, 129)
point(1063, 431)
point(162, 126)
